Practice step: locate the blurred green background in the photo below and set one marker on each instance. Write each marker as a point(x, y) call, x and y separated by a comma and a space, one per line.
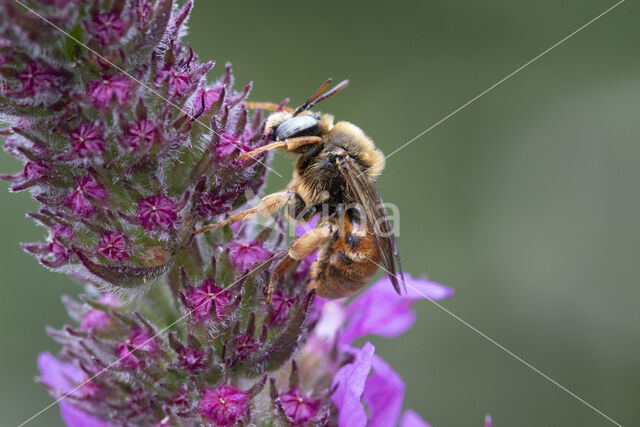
point(526, 202)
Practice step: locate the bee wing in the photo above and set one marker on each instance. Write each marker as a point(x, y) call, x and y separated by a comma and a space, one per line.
point(366, 195)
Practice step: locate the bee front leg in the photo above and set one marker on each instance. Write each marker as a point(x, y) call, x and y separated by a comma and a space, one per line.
point(300, 249)
point(267, 206)
point(290, 144)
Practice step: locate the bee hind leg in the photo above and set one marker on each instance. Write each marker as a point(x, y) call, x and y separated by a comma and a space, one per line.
point(300, 249)
point(267, 206)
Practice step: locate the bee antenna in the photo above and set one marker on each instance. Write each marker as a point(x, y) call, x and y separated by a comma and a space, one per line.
point(332, 92)
point(316, 97)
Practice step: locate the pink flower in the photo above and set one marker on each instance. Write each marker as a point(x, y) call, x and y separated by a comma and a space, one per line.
point(298, 408)
point(156, 212)
point(98, 319)
point(178, 82)
point(208, 299)
point(113, 245)
point(210, 97)
point(245, 345)
point(244, 256)
point(281, 305)
point(95, 319)
point(104, 90)
point(228, 144)
point(140, 134)
point(33, 170)
point(139, 341)
point(224, 405)
point(86, 140)
point(58, 250)
point(79, 199)
point(105, 27)
point(34, 78)
point(192, 359)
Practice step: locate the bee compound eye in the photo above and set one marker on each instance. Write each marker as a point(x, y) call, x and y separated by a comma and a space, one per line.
point(296, 126)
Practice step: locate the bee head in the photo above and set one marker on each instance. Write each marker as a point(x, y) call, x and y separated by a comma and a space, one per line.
point(303, 122)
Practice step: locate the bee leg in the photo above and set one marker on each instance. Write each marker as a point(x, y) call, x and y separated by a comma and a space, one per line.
point(268, 106)
point(300, 249)
point(267, 206)
point(289, 144)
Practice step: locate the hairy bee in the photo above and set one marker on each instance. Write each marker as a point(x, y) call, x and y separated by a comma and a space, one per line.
point(334, 177)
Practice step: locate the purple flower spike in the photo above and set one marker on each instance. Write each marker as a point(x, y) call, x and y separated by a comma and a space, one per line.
point(156, 212)
point(350, 381)
point(298, 408)
point(112, 245)
point(79, 199)
point(123, 179)
point(86, 140)
point(244, 256)
point(62, 378)
point(380, 311)
point(104, 90)
point(224, 405)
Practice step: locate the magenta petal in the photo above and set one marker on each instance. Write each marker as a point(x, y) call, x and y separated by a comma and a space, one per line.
point(383, 394)
point(380, 311)
point(350, 381)
point(411, 419)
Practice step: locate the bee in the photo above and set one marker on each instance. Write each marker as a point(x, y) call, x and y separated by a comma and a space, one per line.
point(334, 176)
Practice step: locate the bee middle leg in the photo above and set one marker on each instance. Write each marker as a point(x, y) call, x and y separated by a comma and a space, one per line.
point(300, 249)
point(267, 206)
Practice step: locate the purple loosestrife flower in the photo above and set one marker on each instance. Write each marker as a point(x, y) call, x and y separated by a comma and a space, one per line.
point(113, 245)
point(140, 134)
point(115, 87)
point(86, 140)
point(124, 170)
point(224, 405)
point(245, 256)
point(157, 212)
point(105, 27)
